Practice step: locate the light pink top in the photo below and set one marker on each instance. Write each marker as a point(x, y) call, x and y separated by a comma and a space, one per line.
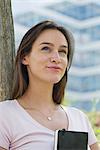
point(19, 131)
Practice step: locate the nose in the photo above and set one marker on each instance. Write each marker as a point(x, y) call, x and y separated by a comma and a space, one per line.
point(55, 57)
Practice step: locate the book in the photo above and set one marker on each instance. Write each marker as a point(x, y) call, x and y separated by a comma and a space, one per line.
point(70, 140)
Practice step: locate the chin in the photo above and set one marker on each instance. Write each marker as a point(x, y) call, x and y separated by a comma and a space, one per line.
point(55, 80)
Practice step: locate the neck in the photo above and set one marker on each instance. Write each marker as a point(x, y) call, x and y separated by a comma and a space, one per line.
point(39, 95)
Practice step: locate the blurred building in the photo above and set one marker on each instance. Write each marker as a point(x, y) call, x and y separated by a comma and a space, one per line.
point(83, 19)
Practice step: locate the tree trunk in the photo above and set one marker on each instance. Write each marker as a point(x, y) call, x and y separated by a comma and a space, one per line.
point(7, 49)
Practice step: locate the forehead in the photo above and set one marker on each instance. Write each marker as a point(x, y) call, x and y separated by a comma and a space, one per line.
point(53, 36)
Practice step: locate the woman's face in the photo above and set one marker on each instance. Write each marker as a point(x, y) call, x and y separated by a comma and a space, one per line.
point(48, 58)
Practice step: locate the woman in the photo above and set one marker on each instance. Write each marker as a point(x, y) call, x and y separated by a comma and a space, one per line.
point(29, 121)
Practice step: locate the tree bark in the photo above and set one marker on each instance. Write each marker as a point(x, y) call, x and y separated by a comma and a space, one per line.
point(7, 49)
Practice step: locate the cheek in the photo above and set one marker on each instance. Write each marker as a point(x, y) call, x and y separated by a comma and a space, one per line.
point(43, 60)
point(65, 63)
point(41, 57)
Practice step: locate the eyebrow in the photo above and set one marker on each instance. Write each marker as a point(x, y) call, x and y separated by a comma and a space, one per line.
point(65, 46)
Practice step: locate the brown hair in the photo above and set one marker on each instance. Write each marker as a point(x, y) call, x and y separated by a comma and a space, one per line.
point(21, 79)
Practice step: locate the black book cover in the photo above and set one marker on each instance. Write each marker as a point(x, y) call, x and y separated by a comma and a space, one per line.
point(70, 140)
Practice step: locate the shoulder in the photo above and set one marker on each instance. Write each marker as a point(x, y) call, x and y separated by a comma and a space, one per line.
point(5, 123)
point(74, 111)
point(7, 111)
point(78, 121)
point(6, 105)
point(76, 115)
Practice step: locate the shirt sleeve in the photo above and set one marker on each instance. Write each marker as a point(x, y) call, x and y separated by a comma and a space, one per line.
point(4, 132)
point(83, 124)
point(91, 135)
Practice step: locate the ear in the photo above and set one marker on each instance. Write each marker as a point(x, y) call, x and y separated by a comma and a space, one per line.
point(25, 60)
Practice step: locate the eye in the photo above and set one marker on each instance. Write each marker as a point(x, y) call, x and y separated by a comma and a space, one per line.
point(63, 52)
point(45, 48)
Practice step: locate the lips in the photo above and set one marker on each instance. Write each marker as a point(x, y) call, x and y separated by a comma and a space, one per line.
point(54, 68)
